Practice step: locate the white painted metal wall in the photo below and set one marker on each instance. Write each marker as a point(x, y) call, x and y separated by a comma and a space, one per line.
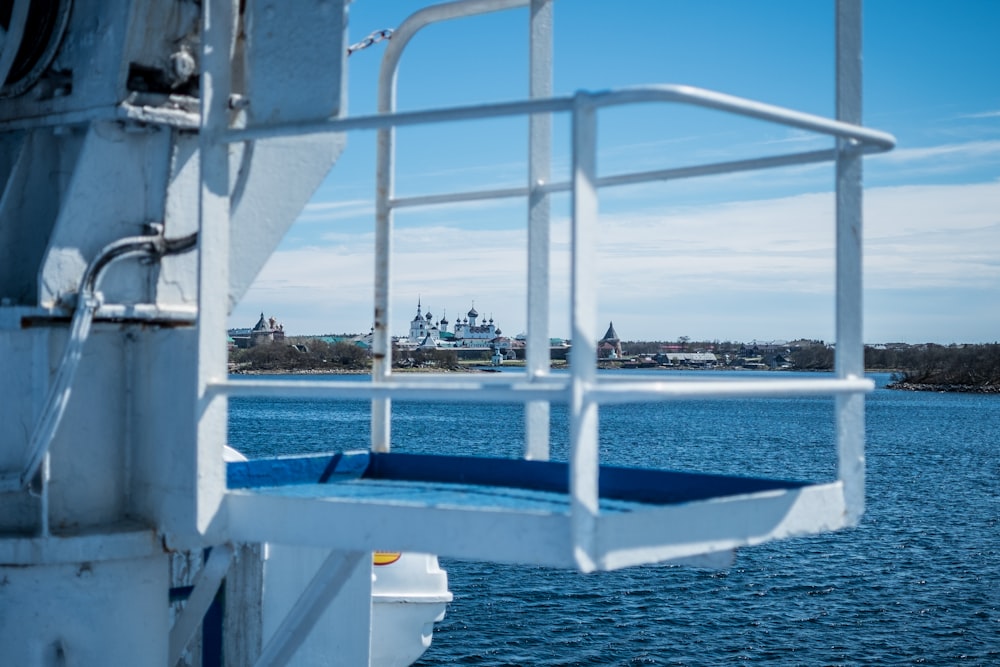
point(102, 141)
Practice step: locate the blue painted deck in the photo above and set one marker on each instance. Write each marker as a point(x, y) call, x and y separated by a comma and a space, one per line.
point(488, 483)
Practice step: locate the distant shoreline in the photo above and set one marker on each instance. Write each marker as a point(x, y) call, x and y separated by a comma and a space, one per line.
point(946, 388)
point(896, 386)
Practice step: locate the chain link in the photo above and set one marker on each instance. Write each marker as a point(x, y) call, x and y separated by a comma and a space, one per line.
point(373, 38)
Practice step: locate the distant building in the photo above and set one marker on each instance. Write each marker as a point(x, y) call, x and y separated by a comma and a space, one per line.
point(668, 357)
point(759, 355)
point(267, 330)
point(467, 333)
point(610, 347)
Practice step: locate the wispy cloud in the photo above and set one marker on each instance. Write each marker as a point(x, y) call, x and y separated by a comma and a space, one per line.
point(933, 237)
point(748, 269)
point(328, 211)
point(983, 114)
point(970, 150)
point(796, 138)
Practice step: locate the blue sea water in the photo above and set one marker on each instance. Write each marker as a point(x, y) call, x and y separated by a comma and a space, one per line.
point(918, 582)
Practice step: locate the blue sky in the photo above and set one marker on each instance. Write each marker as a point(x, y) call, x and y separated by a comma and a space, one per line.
point(737, 257)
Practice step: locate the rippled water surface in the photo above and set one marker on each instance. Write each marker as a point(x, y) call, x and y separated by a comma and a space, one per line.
point(917, 583)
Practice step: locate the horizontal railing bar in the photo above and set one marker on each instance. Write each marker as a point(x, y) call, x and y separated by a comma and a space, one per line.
point(629, 392)
point(733, 166)
point(469, 195)
point(631, 178)
point(443, 390)
point(672, 376)
point(506, 377)
point(402, 118)
point(744, 107)
point(554, 389)
point(652, 93)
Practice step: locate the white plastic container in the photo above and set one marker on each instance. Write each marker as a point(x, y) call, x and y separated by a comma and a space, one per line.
point(409, 595)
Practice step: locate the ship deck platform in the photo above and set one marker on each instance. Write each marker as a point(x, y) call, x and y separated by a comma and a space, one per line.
point(525, 509)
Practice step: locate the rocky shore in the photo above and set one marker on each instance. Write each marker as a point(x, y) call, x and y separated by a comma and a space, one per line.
point(955, 388)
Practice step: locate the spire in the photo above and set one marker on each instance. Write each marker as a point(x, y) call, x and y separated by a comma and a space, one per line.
point(611, 335)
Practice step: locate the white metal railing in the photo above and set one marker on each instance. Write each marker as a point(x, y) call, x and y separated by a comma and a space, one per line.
point(582, 389)
point(519, 387)
point(868, 140)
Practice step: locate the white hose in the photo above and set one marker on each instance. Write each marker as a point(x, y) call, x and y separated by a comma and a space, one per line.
point(87, 304)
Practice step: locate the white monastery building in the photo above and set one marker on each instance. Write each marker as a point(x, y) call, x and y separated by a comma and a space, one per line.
point(467, 332)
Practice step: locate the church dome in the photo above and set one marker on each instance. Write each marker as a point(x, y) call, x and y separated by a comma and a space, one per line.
point(473, 313)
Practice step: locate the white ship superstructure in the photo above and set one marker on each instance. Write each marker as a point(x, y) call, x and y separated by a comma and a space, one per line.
point(152, 155)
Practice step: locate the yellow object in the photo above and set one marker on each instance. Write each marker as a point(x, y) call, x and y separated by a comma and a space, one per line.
point(385, 557)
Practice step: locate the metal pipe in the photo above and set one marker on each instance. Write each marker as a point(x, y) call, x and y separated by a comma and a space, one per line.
point(849, 360)
point(631, 178)
point(400, 390)
point(634, 392)
point(667, 93)
point(88, 301)
point(552, 388)
point(583, 410)
point(419, 20)
point(536, 415)
point(741, 106)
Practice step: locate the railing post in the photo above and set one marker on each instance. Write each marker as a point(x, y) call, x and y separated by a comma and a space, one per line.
point(213, 260)
point(850, 345)
point(536, 441)
point(381, 419)
point(583, 455)
point(385, 165)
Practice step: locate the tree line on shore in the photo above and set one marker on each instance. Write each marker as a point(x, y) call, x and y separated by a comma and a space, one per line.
point(956, 365)
point(945, 366)
point(305, 354)
point(300, 354)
